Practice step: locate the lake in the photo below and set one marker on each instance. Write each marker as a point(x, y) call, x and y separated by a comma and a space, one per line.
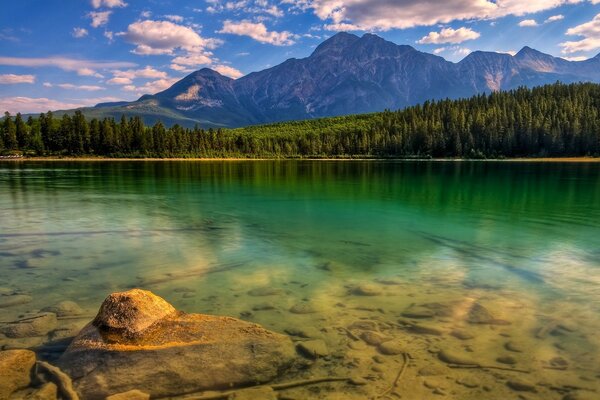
point(495, 261)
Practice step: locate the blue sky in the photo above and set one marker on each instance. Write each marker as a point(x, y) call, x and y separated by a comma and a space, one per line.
point(66, 53)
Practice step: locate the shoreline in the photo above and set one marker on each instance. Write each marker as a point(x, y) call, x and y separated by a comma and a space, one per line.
point(179, 159)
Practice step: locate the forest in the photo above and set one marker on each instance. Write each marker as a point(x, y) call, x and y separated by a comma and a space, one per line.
point(549, 121)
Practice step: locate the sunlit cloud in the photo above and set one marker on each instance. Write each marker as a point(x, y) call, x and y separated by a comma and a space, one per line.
point(9, 79)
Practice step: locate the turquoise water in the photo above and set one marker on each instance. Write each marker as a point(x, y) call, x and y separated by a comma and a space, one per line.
point(522, 239)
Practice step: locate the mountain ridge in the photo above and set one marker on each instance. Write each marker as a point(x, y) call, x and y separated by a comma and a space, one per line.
point(345, 74)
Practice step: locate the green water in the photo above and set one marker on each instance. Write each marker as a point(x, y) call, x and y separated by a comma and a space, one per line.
point(522, 239)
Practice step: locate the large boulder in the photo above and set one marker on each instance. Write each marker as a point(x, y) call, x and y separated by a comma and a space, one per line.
point(15, 371)
point(139, 341)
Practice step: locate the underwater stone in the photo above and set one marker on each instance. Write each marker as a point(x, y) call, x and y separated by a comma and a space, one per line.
point(391, 348)
point(65, 309)
point(451, 357)
point(313, 348)
point(178, 353)
point(366, 289)
point(461, 334)
point(31, 326)
point(521, 385)
point(14, 300)
point(302, 308)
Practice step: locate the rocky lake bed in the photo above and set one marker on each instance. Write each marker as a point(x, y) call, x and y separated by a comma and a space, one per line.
point(300, 280)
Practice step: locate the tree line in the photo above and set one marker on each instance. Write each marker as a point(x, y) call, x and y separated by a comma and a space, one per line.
point(552, 120)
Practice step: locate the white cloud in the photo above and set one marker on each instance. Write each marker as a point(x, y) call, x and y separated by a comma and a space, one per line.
point(401, 14)
point(554, 18)
point(43, 104)
point(590, 31)
point(152, 86)
point(119, 81)
point(258, 31)
point(109, 35)
point(193, 59)
point(528, 23)
point(99, 18)
point(576, 58)
point(453, 51)
point(511, 52)
point(82, 67)
point(163, 37)
point(79, 32)
point(108, 3)
point(228, 71)
point(174, 18)
point(148, 72)
point(9, 79)
point(70, 86)
point(245, 6)
point(449, 35)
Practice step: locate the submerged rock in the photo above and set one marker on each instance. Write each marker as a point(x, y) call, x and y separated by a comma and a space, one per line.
point(14, 300)
point(15, 371)
point(138, 340)
point(478, 314)
point(65, 309)
point(302, 308)
point(366, 289)
point(31, 326)
point(313, 348)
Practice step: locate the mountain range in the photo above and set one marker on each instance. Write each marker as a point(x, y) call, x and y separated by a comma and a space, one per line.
point(346, 74)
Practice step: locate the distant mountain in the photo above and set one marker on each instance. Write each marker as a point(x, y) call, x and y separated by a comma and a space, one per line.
point(346, 74)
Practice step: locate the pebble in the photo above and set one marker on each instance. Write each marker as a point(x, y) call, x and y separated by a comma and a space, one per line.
point(426, 329)
point(363, 325)
point(65, 309)
point(373, 338)
point(514, 347)
point(36, 325)
point(358, 380)
point(432, 370)
point(366, 289)
point(307, 332)
point(451, 357)
point(507, 360)
point(435, 383)
point(313, 348)
point(302, 308)
point(478, 314)
point(521, 385)
point(263, 307)
point(265, 291)
point(14, 300)
point(357, 345)
point(468, 382)
point(392, 348)
point(461, 334)
point(558, 362)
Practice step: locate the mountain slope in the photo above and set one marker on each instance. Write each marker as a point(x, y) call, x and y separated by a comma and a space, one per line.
point(346, 74)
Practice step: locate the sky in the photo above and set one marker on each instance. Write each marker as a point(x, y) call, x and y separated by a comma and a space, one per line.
point(58, 54)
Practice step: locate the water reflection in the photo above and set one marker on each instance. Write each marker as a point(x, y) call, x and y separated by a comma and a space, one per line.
point(492, 263)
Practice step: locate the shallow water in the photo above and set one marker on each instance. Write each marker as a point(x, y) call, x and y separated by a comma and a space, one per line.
point(430, 242)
